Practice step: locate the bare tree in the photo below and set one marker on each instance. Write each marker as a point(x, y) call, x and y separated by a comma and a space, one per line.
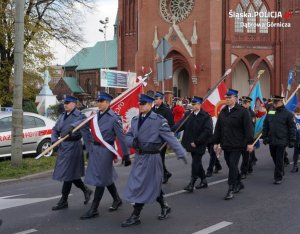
point(45, 20)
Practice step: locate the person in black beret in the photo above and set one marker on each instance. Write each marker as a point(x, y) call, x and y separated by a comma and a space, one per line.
point(279, 131)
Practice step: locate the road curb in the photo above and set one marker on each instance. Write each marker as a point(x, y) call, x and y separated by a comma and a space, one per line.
point(49, 172)
point(28, 177)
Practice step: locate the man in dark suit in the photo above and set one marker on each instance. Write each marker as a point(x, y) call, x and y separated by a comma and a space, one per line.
point(197, 130)
point(163, 110)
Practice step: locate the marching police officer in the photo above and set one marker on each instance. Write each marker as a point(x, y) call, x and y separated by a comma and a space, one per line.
point(105, 127)
point(247, 157)
point(69, 166)
point(147, 133)
point(164, 111)
point(279, 131)
point(233, 132)
point(198, 128)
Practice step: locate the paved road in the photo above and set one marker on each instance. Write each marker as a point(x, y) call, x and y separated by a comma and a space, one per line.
point(261, 208)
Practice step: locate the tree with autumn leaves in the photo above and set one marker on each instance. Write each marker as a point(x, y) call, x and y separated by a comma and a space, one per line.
point(45, 21)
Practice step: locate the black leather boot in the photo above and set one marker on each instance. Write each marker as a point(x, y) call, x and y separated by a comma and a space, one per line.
point(218, 168)
point(190, 186)
point(166, 178)
point(134, 219)
point(116, 204)
point(62, 204)
point(238, 187)
point(203, 184)
point(209, 174)
point(87, 195)
point(295, 169)
point(117, 200)
point(229, 194)
point(92, 212)
point(165, 209)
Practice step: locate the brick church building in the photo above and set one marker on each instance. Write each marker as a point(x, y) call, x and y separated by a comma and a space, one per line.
point(208, 37)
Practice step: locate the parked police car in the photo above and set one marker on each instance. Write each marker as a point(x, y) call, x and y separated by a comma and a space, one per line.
point(36, 133)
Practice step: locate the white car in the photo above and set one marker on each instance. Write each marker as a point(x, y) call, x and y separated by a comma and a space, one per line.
point(37, 131)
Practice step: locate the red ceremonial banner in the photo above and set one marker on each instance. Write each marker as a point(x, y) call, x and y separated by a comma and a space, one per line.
point(127, 107)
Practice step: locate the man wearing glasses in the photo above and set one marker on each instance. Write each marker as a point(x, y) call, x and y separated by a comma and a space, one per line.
point(69, 166)
point(163, 110)
point(197, 130)
point(147, 133)
point(105, 127)
point(234, 133)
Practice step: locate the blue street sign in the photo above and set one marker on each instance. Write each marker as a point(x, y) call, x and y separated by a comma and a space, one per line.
point(163, 48)
point(164, 70)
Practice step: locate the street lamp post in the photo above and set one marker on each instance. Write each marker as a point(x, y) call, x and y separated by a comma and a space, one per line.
point(105, 22)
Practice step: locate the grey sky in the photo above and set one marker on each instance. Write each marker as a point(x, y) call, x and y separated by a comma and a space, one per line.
point(103, 8)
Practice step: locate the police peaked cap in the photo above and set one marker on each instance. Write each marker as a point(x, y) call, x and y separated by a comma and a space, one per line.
point(231, 92)
point(69, 98)
point(197, 99)
point(277, 98)
point(246, 98)
point(143, 98)
point(159, 94)
point(104, 96)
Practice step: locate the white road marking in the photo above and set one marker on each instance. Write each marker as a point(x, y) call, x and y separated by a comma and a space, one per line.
point(27, 231)
point(7, 202)
point(183, 191)
point(213, 228)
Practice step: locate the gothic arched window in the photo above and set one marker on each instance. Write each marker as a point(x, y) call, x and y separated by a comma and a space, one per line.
point(263, 20)
point(238, 27)
point(251, 20)
point(255, 24)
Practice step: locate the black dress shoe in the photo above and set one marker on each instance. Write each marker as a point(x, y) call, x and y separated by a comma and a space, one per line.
point(203, 184)
point(229, 195)
point(167, 176)
point(165, 211)
point(87, 196)
point(238, 188)
point(91, 213)
point(60, 205)
point(132, 220)
point(189, 188)
point(243, 176)
point(295, 169)
point(277, 181)
point(209, 174)
point(115, 205)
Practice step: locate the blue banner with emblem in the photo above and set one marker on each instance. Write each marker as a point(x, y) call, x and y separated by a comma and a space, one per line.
point(292, 103)
point(258, 107)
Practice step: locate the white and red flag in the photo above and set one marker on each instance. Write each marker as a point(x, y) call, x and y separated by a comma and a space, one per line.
point(215, 101)
point(127, 107)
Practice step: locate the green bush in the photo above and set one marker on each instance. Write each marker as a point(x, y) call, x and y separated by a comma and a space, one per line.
point(53, 112)
point(29, 106)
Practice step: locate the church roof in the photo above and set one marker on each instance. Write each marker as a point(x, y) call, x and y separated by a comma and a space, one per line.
point(94, 57)
point(73, 85)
